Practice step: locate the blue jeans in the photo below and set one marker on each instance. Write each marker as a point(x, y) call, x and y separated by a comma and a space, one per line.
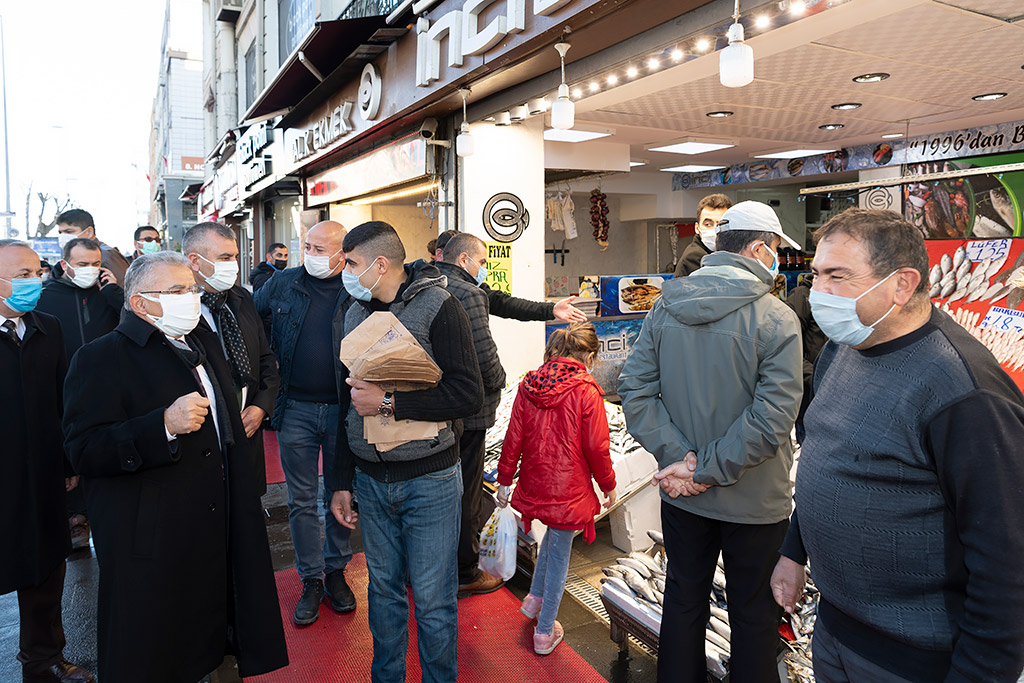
point(411, 528)
point(549, 575)
point(305, 429)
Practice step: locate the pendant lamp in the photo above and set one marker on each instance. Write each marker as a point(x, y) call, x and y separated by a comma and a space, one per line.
point(563, 111)
point(464, 143)
point(736, 61)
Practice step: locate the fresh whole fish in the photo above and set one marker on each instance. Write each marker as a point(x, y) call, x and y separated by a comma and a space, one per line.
point(977, 292)
point(991, 292)
point(977, 278)
point(656, 536)
point(640, 588)
point(636, 565)
point(628, 572)
point(618, 583)
point(959, 256)
point(718, 641)
point(1001, 293)
point(995, 267)
point(947, 264)
point(947, 289)
point(934, 276)
point(659, 583)
point(958, 294)
point(720, 613)
point(720, 627)
point(613, 570)
point(715, 653)
point(949, 277)
point(961, 272)
point(934, 291)
point(647, 561)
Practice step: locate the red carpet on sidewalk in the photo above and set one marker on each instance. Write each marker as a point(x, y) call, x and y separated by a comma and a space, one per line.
point(272, 454)
point(495, 642)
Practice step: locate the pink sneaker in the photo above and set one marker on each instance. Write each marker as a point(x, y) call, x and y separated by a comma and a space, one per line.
point(531, 606)
point(545, 644)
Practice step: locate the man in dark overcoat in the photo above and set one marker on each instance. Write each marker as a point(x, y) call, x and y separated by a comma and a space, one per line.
point(228, 310)
point(32, 519)
point(152, 424)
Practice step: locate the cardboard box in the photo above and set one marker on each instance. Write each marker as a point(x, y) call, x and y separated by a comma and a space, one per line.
point(633, 518)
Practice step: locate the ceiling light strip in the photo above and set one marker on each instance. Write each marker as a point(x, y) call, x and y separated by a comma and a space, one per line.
point(919, 178)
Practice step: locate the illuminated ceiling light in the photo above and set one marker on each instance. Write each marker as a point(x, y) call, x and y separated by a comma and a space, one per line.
point(537, 106)
point(577, 93)
point(797, 7)
point(612, 79)
point(703, 44)
point(831, 126)
point(719, 114)
point(763, 21)
point(573, 135)
point(691, 146)
point(594, 86)
point(736, 61)
point(464, 143)
point(418, 189)
point(563, 111)
point(632, 72)
point(637, 163)
point(846, 105)
point(989, 96)
point(519, 113)
point(690, 168)
point(871, 78)
point(503, 119)
point(890, 136)
point(677, 54)
point(653, 63)
point(793, 154)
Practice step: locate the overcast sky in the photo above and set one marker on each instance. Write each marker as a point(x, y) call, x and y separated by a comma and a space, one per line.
point(80, 83)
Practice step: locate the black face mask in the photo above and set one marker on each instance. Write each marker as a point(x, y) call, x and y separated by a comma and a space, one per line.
point(280, 263)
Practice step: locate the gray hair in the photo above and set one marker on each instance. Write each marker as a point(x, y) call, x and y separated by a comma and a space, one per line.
point(14, 243)
point(462, 243)
point(196, 236)
point(735, 241)
point(140, 272)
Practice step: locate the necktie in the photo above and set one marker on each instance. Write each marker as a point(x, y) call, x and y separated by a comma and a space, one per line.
point(231, 335)
point(11, 329)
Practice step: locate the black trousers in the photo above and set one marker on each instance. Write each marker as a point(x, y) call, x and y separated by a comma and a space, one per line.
point(471, 451)
point(41, 641)
point(750, 552)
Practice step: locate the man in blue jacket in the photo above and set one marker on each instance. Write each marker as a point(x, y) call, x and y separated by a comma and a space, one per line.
point(307, 306)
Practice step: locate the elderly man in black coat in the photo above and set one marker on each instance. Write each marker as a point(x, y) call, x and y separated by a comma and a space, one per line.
point(152, 424)
point(229, 311)
point(32, 520)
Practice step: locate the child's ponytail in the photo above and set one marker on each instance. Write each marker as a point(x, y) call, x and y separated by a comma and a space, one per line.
point(578, 341)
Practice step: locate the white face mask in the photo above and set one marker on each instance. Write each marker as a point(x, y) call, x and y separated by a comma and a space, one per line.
point(319, 266)
point(708, 237)
point(85, 276)
point(224, 274)
point(63, 238)
point(181, 313)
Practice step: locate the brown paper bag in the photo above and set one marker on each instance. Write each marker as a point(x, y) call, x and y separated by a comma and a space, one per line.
point(381, 349)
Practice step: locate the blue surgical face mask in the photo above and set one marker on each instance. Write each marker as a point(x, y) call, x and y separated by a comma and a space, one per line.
point(837, 316)
point(357, 289)
point(25, 293)
point(481, 275)
point(773, 270)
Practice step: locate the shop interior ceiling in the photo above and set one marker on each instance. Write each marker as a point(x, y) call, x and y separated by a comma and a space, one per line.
point(939, 54)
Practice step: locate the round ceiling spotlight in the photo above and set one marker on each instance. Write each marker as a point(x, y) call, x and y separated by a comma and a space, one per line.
point(843, 106)
point(831, 126)
point(612, 79)
point(989, 96)
point(719, 114)
point(703, 44)
point(871, 78)
point(632, 72)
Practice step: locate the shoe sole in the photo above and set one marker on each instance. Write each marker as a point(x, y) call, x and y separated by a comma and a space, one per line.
point(550, 649)
point(342, 609)
point(300, 622)
point(465, 594)
point(528, 615)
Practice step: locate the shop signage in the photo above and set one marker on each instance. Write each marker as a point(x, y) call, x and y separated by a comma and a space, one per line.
point(505, 217)
point(192, 163)
point(254, 141)
point(466, 37)
point(616, 337)
point(324, 132)
point(255, 171)
point(970, 142)
point(499, 267)
point(393, 164)
point(1004, 319)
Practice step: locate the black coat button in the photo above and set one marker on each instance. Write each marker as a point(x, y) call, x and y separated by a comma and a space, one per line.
point(206, 452)
point(213, 507)
point(130, 459)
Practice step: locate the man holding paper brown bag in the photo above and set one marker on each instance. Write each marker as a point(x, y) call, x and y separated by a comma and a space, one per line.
point(409, 491)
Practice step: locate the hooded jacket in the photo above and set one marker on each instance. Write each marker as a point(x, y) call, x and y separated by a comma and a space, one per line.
point(84, 314)
point(737, 406)
point(690, 259)
point(560, 432)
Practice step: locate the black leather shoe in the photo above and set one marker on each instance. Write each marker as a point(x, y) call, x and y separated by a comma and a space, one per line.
point(342, 598)
point(61, 672)
point(308, 608)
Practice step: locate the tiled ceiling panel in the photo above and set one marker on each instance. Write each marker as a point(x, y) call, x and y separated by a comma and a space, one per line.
point(749, 116)
point(907, 81)
point(731, 130)
point(1003, 9)
point(1014, 98)
point(795, 66)
point(991, 45)
point(908, 30)
point(1011, 68)
point(872, 108)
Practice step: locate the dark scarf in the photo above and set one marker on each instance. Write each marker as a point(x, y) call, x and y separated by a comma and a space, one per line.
point(231, 336)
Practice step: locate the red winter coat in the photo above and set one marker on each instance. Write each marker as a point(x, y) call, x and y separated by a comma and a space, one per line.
point(560, 430)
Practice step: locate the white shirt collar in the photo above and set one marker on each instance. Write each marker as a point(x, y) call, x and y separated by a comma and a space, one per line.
point(19, 324)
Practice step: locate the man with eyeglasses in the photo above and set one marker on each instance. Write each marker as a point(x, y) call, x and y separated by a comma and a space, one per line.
point(228, 310)
point(147, 241)
point(152, 424)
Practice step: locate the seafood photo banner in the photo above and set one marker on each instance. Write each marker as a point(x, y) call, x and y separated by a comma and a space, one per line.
point(981, 284)
point(957, 144)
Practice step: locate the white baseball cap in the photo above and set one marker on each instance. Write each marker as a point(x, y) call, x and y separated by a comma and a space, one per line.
point(754, 216)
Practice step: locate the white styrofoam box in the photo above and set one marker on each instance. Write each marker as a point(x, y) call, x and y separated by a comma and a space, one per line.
point(633, 518)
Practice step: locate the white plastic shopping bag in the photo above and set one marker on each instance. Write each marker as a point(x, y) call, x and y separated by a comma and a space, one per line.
point(498, 544)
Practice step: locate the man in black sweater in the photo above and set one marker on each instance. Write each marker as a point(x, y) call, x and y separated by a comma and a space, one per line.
point(908, 490)
point(409, 495)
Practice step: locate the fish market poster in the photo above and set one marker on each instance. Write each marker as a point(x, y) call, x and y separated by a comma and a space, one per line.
point(981, 284)
point(616, 336)
point(629, 294)
point(499, 266)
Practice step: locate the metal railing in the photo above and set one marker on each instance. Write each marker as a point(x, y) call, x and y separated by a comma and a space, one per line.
point(369, 8)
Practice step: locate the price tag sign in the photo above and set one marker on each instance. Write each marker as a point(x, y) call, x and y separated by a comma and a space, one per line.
point(979, 250)
point(1004, 320)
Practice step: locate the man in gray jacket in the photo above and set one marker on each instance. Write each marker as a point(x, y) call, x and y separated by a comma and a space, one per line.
point(720, 430)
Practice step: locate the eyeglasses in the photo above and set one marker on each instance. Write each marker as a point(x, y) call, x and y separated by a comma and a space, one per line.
point(194, 289)
point(149, 239)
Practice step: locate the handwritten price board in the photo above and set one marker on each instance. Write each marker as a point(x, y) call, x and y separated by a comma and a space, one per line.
point(979, 250)
point(1004, 320)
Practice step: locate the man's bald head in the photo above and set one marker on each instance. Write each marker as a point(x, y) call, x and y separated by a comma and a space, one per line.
point(331, 231)
point(325, 239)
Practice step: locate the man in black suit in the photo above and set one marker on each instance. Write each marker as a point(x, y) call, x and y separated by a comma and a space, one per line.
point(229, 311)
point(152, 424)
point(32, 519)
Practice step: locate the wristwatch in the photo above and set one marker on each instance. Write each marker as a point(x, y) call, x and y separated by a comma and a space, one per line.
point(385, 409)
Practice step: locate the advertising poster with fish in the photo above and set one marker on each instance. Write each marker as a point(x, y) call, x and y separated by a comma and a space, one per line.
point(616, 336)
point(981, 284)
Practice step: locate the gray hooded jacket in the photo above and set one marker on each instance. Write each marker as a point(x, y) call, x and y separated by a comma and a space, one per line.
point(717, 370)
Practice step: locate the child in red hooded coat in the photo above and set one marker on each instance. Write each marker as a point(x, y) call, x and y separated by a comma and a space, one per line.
point(560, 431)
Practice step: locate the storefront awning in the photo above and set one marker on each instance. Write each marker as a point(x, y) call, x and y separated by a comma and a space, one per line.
point(191, 192)
point(332, 54)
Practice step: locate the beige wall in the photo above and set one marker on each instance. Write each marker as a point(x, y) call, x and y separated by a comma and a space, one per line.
point(412, 226)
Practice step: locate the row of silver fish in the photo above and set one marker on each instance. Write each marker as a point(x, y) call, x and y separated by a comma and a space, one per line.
point(1006, 346)
point(953, 278)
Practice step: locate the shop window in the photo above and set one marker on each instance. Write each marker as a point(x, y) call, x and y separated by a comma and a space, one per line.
point(250, 76)
point(294, 19)
point(189, 212)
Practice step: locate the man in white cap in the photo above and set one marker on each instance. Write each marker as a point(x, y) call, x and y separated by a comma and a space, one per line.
point(720, 432)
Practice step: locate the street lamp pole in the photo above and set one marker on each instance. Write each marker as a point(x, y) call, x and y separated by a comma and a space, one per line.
point(7, 156)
